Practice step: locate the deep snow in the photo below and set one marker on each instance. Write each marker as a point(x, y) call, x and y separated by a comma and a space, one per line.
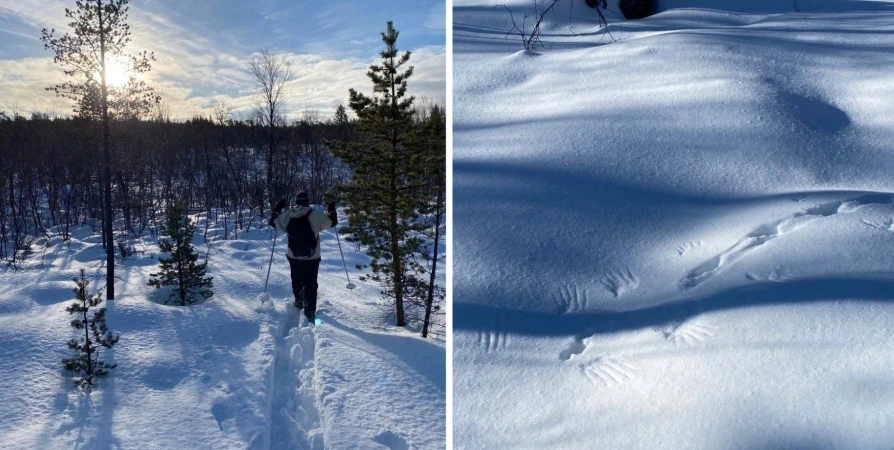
point(681, 239)
point(224, 374)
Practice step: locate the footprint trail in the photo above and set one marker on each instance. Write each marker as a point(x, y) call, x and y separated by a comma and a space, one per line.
point(767, 232)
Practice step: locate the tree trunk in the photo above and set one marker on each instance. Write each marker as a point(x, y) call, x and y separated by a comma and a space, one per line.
point(429, 299)
point(107, 166)
point(87, 341)
point(397, 273)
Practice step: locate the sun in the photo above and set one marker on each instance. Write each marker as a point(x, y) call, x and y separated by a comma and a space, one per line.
point(117, 73)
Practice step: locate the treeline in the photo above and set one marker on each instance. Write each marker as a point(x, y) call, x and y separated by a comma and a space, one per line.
point(108, 168)
point(50, 171)
point(51, 174)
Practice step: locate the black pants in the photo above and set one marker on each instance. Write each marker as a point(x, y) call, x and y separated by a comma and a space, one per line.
point(304, 282)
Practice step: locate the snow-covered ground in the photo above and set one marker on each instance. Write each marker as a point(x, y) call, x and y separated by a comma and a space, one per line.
point(224, 374)
point(682, 239)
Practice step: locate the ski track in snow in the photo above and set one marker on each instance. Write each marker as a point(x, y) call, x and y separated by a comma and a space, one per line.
point(767, 232)
point(294, 417)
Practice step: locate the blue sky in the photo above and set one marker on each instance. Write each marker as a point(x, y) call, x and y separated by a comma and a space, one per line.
point(202, 46)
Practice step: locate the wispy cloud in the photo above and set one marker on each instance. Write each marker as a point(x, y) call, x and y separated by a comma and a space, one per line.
point(201, 50)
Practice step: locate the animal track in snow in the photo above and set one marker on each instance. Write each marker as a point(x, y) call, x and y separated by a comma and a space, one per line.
point(495, 338)
point(391, 440)
point(888, 225)
point(686, 333)
point(776, 275)
point(572, 299)
point(683, 249)
point(620, 282)
point(607, 371)
point(222, 411)
point(575, 348)
point(773, 230)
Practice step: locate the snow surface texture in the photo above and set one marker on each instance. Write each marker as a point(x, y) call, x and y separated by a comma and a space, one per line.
point(682, 239)
point(224, 374)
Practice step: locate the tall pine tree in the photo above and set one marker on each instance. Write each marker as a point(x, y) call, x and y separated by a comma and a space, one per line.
point(86, 360)
point(182, 269)
point(101, 33)
point(382, 203)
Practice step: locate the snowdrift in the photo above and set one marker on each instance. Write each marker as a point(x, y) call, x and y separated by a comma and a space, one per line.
point(224, 374)
point(678, 234)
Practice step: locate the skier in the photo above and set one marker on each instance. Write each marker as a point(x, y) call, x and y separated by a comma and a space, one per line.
point(303, 225)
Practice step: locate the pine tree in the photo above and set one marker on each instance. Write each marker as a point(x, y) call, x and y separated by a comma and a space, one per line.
point(382, 204)
point(101, 32)
point(341, 115)
point(96, 334)
point(182, 269)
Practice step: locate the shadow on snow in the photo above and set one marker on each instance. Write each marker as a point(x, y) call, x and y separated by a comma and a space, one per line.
point(804, 291)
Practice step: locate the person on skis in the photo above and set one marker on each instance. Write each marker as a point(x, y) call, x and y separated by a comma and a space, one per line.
point(303, 224)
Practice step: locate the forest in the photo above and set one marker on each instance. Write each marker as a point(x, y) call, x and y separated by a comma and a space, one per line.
point(52, 171)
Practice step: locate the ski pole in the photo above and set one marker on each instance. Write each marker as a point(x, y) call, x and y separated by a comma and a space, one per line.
point(275, 235)
point(349, 285)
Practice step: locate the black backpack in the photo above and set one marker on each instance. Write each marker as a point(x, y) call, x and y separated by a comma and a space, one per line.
point(302, 239)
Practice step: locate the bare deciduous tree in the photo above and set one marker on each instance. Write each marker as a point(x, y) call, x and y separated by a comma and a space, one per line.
point(271, 73)
point(220, 112)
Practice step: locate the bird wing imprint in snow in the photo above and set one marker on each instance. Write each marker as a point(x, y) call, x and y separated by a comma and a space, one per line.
point(888, 225)
point(495, 338)
point(619, 282)
point(767, 232)
point(780, 273)
point(572, 299)
point(686, 333)
point(606, 371)
point(683, 249)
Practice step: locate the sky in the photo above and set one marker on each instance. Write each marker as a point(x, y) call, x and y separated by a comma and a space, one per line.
point(202, 48)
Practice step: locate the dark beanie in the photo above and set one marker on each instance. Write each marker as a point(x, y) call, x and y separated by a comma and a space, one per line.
point(302, 199)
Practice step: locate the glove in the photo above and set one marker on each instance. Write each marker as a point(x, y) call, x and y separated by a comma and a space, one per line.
point(272, 218)
point(280, 206)
point(332, 213)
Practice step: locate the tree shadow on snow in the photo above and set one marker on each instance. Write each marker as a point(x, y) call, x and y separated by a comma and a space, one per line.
point(569, 221)
point(776, 6)
point(410, 350)
point(76, 415)
point(804, 291)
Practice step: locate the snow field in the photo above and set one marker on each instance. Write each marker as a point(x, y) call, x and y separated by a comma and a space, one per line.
point(677, 240)
point(228, 373)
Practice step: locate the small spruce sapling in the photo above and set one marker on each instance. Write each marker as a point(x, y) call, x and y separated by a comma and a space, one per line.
point(86, 361)
point(182, 269)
